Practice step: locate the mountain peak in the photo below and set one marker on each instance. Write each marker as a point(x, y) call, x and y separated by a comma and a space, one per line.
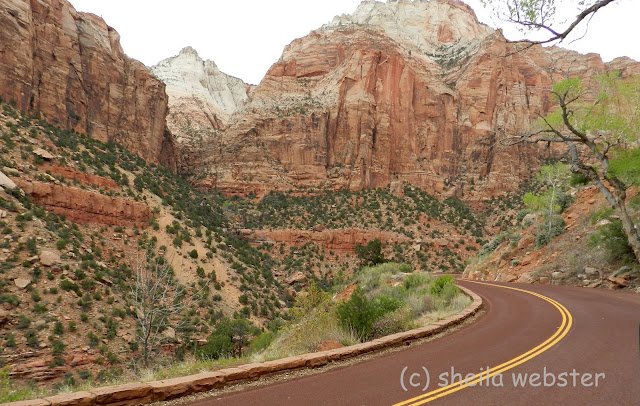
point(188, 50)
point(423, 26)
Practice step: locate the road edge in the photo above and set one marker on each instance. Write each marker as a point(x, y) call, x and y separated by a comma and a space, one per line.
point(168, 389)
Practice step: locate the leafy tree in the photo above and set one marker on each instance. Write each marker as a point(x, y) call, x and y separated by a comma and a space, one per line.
point(370, 254)
point(229, 338)
point(597, 129)
point(556, 177)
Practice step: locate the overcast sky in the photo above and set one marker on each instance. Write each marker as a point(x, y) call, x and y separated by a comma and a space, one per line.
point(245, 37)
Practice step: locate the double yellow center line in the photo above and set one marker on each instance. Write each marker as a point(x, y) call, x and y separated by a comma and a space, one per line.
point(562, 331)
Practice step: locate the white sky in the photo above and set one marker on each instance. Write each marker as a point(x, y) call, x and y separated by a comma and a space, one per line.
point(245, 37)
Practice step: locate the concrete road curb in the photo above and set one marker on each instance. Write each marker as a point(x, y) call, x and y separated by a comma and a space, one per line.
point(142, 393)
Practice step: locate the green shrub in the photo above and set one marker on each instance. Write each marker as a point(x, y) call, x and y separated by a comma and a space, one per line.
point(392, 322)
point(441, 284)
point(602, 214)
point(551, 228)
point(522, 214)
point(229, 338)
point(193, 254)
point(360, 313)
point(58, 328)
point(261, 342)
point(578, 180)
point(217, 346)
point(415, 280)
point(613, 239)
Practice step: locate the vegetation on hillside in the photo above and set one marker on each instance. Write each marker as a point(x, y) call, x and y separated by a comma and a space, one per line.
point(87, 300)
point(388, 298)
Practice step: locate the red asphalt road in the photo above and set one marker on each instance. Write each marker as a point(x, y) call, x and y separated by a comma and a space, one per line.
point(604, 338)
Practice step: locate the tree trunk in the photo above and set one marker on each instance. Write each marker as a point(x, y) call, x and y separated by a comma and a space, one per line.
point(630, 230)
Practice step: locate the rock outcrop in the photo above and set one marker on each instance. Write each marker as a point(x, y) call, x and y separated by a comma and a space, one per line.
point(340, 240)
point(201, 97)
point(69, 68)
point(85, 207)
point(201, 101)
point(399, 91)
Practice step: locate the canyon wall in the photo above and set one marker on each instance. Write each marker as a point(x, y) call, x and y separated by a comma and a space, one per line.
point(399, 91)
point(69, 68)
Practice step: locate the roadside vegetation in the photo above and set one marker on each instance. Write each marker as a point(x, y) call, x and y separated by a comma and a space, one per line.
point(385, 299)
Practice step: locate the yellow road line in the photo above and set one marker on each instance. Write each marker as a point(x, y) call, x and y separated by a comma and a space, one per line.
point(567, 321)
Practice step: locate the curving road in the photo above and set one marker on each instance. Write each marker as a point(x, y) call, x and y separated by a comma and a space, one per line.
point(581, 336)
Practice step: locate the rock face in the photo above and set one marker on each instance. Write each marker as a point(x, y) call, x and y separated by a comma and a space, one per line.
point(399, 91)
point(201, 100)
point(69, 68)
point(340, 240)
point(85, 207)
point(201, 97)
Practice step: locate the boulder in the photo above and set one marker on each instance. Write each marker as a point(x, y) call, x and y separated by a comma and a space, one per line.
point(623, 271)
point(6, 183)
point(22, 283)
point(297, 277)
point(525, 278)
point(46, 155)
point(170, 333)
point(290, 293)
point(49, 258)
point(618, 281)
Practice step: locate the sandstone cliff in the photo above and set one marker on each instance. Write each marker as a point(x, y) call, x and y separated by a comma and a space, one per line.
point(201, 97)
point(69, 68)
point(399, 91)
point(81, 206)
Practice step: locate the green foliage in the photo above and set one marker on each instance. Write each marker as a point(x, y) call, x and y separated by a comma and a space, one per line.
point(551, 228)
point(358, 313)
point(626, 166)
point(577, 179)
point(441, 284)
point(370, 254)
point(491, 246)
point(534, 203)
point(229, 338)
point(554, 199)
point(612, 238)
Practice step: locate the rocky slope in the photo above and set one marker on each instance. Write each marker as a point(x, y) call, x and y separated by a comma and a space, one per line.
point(572, 258)
point(74, 216)
point(69, 68)
point(399, 91)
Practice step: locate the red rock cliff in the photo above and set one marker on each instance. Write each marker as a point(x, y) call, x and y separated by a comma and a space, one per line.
point(69, 67)
point(398, 91)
